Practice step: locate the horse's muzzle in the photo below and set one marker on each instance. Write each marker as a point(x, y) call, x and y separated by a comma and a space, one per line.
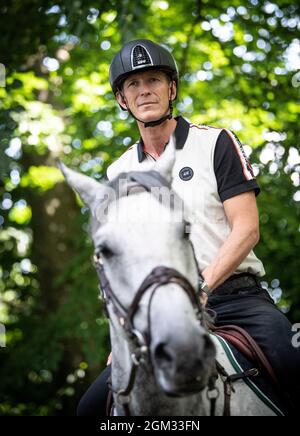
point(181, 369)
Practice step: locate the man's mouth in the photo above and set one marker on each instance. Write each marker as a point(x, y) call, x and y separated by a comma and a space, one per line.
point(147, 103)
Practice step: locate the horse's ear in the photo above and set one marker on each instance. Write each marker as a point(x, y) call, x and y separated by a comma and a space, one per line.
point(90, 191)
point(165, 163)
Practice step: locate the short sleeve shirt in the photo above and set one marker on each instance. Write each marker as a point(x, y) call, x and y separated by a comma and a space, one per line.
point(211, 167)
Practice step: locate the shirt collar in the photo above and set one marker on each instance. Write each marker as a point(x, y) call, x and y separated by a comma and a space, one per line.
point(181, 133)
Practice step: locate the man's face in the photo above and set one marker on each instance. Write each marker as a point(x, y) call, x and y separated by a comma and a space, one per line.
point(147, 94)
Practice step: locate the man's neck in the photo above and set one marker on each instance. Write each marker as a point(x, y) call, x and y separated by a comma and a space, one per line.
point(156, 138)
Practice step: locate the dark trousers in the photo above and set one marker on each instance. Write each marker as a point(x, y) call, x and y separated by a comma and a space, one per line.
point(93, 402)
point(249, 307)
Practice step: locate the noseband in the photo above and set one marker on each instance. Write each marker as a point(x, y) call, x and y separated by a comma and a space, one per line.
point(159, 276)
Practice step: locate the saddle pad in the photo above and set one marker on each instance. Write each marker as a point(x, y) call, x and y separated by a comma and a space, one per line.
point(234, 362)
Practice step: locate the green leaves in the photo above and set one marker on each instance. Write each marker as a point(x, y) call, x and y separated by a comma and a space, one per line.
point(41, 177)
point(236, 71)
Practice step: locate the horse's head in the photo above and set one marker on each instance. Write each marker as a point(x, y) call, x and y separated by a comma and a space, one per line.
point(150, 277)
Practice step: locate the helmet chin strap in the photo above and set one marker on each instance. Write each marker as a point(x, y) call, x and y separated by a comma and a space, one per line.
point(155, 122)
point(159, 121)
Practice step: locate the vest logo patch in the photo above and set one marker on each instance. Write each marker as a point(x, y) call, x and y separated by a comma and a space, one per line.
point(186, 173)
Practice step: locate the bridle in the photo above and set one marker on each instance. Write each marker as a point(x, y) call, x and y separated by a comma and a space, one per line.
point(159, 276)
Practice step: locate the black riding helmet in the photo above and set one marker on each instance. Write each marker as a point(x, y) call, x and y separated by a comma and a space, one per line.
point(142, 55)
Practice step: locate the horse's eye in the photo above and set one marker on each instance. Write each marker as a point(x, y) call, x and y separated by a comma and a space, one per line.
point(105, 251)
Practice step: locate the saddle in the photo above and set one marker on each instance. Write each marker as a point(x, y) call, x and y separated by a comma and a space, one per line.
point(244, 343)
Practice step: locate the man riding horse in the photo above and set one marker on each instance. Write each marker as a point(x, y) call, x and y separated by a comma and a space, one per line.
point(216, 180)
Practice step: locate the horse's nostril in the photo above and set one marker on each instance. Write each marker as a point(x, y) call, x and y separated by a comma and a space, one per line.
point(207, 341)
point(161, 354)
point(208, 346)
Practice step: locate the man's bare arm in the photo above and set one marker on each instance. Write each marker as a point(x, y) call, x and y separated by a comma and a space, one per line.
point(242, 214)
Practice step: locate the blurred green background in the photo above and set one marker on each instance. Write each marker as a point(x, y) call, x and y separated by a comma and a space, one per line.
point(239, 65)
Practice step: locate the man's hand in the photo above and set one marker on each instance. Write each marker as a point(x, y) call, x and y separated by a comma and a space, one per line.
point(203, 298)
point(109, 359)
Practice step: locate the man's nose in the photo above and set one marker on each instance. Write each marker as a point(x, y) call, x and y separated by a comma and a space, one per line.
point(145, 89)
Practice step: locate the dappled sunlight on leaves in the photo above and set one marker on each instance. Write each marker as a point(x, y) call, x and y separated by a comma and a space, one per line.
point(238, 69)
point(42, 178)
point(20, 214)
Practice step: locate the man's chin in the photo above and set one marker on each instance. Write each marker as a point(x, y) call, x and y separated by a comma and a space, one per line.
point(147, 115)
point(146, 118)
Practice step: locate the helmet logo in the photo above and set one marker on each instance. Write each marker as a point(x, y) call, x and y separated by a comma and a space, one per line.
point(140, 57)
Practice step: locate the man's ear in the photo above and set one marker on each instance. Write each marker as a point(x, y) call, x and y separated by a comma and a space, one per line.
point(173, 90)
point(121, 100)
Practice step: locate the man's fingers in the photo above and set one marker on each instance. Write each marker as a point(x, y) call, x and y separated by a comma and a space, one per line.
point(109, 359)
point(203, 298)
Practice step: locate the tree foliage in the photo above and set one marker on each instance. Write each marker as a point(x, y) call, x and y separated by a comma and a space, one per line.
point(238, 65)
